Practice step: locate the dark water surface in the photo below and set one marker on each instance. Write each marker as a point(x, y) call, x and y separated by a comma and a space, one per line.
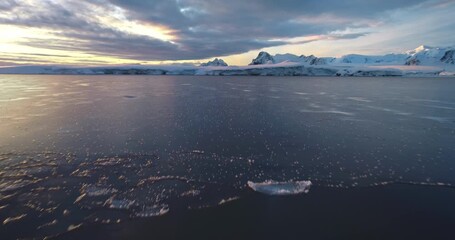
point(152, 157)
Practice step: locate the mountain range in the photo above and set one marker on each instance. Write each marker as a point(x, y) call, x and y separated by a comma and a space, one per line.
point(422, 61)
point(423, 55)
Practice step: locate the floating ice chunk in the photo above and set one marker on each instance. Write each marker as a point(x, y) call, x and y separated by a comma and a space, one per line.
point(334, 111)
point(437, 119)
point(190, 193)
point(14, 219)
point(6, 197)
point(198, 151)
point(66, 212)
point(280, 188)
point(153, 211)
point(359, 99)
point(119, 203)
point(111, 161)
point(224, 201)
point(73, 227)
point(162, 178)
point(390, 110)
point(14, 185)
point(94, 191)
point(78, 199)
point(49, 224)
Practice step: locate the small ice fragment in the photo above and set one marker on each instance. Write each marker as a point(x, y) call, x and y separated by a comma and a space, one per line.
point(78, 199)
point(66, 212)
point(198, 151)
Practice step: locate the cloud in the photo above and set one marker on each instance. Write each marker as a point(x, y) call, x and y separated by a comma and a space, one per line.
point(190, 29)
point(6, 5)
point(142, 48)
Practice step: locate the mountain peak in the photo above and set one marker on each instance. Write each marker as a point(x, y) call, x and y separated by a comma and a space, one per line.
point(419, 49)
point(263, 58)
point(216, 62)
point(426, 55)
point(423, 47)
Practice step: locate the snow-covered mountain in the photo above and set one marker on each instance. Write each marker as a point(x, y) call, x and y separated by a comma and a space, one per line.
point(263, 58)
point(313, 60)
point(449, 57)
point(425, 55)
point(216, 62)
point(310, 60)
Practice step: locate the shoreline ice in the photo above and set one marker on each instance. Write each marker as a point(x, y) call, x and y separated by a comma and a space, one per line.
point(279, 69)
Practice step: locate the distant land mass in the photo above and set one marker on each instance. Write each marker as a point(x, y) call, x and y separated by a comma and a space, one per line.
point(422, 61)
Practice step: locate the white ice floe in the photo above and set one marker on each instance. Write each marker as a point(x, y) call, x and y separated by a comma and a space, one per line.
point(271, 187)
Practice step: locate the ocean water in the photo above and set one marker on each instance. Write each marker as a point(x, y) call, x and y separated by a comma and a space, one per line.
point(100, 154)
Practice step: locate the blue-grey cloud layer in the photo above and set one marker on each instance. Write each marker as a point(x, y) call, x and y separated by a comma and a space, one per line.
point(204, 28)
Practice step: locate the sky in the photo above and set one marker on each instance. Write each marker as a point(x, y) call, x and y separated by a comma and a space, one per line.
point(106, 32)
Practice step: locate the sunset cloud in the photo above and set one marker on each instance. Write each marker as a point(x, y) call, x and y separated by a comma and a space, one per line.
point(127, 31)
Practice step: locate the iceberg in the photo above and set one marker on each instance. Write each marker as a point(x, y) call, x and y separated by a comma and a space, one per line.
point(271, 187)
